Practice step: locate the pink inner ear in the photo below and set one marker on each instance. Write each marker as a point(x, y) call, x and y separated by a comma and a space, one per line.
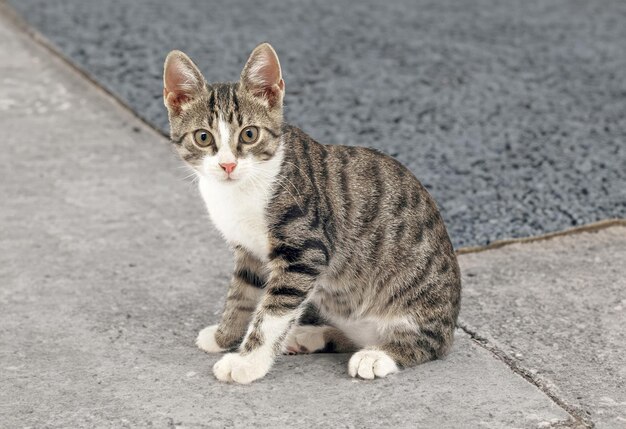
point(265, 72)
point(263, 75)
point(180, 82)
point(176, 80)
point(174, 99)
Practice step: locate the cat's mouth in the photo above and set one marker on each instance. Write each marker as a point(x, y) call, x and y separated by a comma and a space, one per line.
point(229, 178)
point(222, 177)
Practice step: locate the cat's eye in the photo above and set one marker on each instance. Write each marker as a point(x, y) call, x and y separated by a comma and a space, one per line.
point(249, 135)
point(203, 138)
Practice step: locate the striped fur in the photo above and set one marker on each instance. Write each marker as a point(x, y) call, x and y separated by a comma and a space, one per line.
point(337, 247)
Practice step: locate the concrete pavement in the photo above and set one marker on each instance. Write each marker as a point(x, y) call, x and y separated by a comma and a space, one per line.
point(109, 267)
point(555, 310)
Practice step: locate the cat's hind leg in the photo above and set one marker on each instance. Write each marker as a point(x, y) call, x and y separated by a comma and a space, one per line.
point(371, 363)
point(317, 338)
point(313, 334)
point(404, 348)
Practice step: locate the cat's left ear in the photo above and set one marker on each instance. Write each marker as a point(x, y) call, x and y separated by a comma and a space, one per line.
point(182, 81)
point(262, 76)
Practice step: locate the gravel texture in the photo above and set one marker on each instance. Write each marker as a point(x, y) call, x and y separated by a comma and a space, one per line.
point(511, 113)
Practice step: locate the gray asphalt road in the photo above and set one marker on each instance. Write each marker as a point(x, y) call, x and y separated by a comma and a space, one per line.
point(511, 113)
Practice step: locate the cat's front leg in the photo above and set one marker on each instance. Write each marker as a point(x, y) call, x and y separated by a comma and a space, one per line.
point(244, 293)
point(280, 307)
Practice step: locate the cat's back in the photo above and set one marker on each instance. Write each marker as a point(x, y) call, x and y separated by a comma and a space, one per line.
point(373, 220)
point(356, 175)
point(363, 193)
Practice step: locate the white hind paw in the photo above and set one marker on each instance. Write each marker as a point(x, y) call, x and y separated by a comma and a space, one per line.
point(369, 364)
point(305, 339)
point(206, 340)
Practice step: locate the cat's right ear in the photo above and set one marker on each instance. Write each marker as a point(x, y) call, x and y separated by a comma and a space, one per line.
point(182, 81)
point(262, 75)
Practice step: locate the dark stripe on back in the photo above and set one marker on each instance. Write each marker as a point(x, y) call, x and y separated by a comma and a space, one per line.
point(400, 231)
point(344, 182)
point(378, 187)
point(309, 165)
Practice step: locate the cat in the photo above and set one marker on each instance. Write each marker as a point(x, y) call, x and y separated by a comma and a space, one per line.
point(337, 248)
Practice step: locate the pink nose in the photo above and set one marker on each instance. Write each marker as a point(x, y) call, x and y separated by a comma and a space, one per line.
point(228, 167)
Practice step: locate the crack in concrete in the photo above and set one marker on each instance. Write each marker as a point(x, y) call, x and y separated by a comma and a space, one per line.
point(590, 227)
point(578, 421)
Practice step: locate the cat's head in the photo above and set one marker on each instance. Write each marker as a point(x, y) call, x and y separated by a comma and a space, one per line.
point(227, 132)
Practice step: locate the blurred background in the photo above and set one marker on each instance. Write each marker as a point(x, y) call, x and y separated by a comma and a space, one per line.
point(513, 114)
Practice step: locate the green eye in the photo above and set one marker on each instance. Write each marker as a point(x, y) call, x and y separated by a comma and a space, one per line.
point(249, 135)
point(203, 138)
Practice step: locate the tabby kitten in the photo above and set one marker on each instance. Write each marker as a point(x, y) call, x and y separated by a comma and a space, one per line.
point(337, 248)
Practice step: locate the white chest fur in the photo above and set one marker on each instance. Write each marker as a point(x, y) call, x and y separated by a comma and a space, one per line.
point(238, 210)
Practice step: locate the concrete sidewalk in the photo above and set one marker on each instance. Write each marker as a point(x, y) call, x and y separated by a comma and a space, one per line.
point(554, 310)
point(109, 266)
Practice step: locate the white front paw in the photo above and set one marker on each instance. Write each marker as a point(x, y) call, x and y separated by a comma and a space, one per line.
point(241, 369)
point(206, 340)
point(371, 363)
